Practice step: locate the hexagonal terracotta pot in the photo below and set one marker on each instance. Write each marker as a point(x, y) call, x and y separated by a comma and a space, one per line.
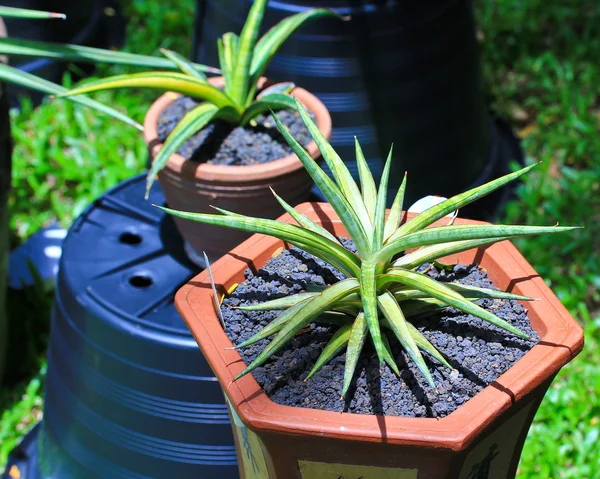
point(482, 439)
point(193, 186)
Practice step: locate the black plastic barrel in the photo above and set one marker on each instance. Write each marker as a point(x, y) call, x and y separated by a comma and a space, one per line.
point(128, 392)
point(399, 71)
point(96, 23)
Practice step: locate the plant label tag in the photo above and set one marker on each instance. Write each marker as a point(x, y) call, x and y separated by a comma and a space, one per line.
point(427, 202)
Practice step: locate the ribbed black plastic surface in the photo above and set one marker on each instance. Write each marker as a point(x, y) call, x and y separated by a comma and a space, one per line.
point(399, 72)
point(128, 392)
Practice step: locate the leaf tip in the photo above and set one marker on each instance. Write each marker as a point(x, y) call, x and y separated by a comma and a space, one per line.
point(60, 16)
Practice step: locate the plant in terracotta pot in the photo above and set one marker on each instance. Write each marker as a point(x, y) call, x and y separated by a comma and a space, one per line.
point(223, 124)
point(461, 358)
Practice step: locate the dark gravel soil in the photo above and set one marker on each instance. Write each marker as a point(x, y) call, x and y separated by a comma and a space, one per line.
point(479, 352)
point(222, 144)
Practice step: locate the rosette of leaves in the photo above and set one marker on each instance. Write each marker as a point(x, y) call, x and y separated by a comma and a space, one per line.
point(243, 61)
point(72, 53)
point(384, 287)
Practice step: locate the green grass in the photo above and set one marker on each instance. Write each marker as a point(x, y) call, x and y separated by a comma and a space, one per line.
point(541, 65)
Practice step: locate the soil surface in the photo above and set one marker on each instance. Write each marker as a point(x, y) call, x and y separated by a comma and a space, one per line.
point(221, 143)
point(478, 351)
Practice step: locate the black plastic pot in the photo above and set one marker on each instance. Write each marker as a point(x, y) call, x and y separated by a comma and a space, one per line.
point(96, 23)
point(399, 72)
point(128, 392)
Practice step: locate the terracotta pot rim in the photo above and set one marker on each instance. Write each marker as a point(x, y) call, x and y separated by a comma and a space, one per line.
point(241, 173)
point(562, 341)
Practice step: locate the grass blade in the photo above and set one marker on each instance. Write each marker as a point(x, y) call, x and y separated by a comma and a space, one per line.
point(356, 341)
point(368, 293)
point(311, 310)
point(449, 296)
point(214, 290)
point(452, 204)
point(399, 326)
point(333, 347)
point(379, 223)
point(367, 184)
point(18, 77)
point(393, 220)
point(303, 221)
point(344, 260)
point(338, 202)
point(183, 64)
point(448, 234)
point(177, 82)
point(78, 53)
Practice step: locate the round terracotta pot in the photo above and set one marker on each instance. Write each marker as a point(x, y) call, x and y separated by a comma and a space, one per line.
point(193, 186)
point(481, 439)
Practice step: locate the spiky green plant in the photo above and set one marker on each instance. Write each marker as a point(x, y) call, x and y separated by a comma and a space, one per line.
point(243, 61)
point(67, 52)
point(383, 289)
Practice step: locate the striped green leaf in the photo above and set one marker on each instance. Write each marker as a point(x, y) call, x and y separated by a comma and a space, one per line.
point(275, 325)
point(448, 234)
point(245, 51)
point(368, 294)
point(304, 221)
point(338, 202)
point(167, 81)
point(345, 261)
point(427, 254)
point(336, 344)
point(189, 125)
point(423, 343)
point(279, 303)
point(27, 80)
point(470, 292)
point(311, 310)
point(393, 221)
point(78, 53)
point(285, 87)
point(270, 43)
point(183, 64)
point(379, 223)
point(367, 184)
point(12, 12)
point(439, 291)
point(229, 59)
point(398, 324)
point(356, 341)
point(452, 204)
point(274, 101)
point(388, 357)
point(340, 172)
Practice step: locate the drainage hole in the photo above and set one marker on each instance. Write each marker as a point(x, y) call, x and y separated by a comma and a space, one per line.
point(141, 281)
point(130, 238)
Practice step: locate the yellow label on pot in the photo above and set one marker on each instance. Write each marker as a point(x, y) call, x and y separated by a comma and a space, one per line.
point(325, 470)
